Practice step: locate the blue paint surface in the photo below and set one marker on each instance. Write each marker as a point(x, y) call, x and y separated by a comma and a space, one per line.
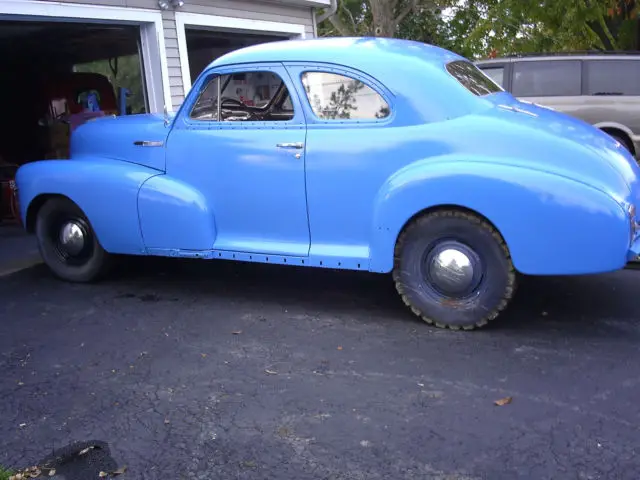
point(557, 189)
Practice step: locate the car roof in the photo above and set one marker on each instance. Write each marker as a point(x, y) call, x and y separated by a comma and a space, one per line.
point(356, 52)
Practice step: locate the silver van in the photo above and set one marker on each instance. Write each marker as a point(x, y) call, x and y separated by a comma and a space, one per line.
point(602, 89)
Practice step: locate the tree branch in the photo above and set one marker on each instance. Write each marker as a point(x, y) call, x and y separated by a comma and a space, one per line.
point(339, 25)
point(353, 21)
point(411, 6)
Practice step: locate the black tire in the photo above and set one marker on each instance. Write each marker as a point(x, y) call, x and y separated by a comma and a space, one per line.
point(491, 286)
point(91, 264)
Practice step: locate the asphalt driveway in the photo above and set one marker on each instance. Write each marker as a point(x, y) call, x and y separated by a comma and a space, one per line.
point(225, 371)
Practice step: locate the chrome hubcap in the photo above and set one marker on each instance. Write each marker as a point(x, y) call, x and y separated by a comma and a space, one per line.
point(453, 269)
point(72, 238)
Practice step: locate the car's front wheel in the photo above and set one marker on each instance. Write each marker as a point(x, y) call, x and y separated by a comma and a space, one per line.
point(453, 269)
point(67, 242)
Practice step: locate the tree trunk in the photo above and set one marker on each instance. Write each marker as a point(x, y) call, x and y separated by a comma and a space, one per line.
point(384, 20)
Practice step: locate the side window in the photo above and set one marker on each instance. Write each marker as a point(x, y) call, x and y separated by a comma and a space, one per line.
point(286, 104)
point(495, 73)
point(206, 106)
point(337, 97)
point(613, 77)
point(244, 96)
point(547, 78)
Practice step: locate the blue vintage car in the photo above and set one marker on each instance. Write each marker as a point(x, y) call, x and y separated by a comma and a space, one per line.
point(380, 155)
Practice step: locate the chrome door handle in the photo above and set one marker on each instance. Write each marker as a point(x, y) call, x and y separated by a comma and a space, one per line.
point(290, 145)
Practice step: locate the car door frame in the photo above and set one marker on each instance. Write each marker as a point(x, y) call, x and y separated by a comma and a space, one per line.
point(184, 122)
point(298, 122)
point(295, 70)
point(352, 256)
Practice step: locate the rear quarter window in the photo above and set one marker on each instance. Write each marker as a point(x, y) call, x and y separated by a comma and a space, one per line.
point(472, 78)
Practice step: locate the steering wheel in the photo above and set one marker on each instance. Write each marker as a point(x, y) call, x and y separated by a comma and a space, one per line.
point(232, 100)
point(237, 102)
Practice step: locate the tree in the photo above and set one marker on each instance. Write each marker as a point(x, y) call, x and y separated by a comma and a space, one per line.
point(380, 18)
point(474, 28)
point(515, 26)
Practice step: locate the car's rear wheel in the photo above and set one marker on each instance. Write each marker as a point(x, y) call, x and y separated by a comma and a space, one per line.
point(68, 244)
point(453, 269)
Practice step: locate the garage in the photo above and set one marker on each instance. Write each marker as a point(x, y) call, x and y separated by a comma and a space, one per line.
point(206, 44)
point(203, 38)
point(64, 64)
point(62, 56)
point(64, 73)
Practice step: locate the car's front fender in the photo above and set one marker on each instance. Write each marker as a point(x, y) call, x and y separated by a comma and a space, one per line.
point(106, 191)
point(552, 225)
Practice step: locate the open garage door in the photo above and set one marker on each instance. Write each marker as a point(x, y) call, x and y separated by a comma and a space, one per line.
point(205, 45)
point(204, 38)
point(56, 75)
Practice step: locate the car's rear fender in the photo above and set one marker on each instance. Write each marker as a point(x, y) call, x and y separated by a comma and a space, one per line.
point(106, 191)
point(552, 225)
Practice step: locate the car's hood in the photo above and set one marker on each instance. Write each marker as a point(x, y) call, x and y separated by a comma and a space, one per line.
point(553, 141)
point(132, 138)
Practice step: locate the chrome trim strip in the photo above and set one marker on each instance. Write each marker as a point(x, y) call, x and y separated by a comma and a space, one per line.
point(148, 143)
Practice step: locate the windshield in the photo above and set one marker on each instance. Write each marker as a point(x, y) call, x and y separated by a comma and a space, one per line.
point(472, 78)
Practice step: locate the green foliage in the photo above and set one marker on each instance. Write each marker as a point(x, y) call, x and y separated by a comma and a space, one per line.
point(515, 26)
point(4, 474)
point(475, 28)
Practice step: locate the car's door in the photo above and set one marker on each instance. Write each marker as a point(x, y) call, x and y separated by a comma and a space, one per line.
point(351, 151)
point(246, 155)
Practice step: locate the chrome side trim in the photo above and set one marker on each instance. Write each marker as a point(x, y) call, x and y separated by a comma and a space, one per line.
point(148, 143)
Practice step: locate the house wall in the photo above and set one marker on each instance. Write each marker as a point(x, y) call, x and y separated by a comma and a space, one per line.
point(243, 9)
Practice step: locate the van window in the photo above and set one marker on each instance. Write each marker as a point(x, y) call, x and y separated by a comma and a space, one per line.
point(547, 78)
point(495, 73)
point(613, 77)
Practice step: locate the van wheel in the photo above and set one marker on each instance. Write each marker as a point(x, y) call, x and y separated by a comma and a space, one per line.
point(454, 270)
point(68, 244)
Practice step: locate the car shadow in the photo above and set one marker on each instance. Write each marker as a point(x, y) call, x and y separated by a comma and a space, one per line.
point(587, 303)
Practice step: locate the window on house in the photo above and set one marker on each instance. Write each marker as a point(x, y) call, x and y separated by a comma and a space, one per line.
point(244, 96)
point(547, 78)
point(337, 97)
